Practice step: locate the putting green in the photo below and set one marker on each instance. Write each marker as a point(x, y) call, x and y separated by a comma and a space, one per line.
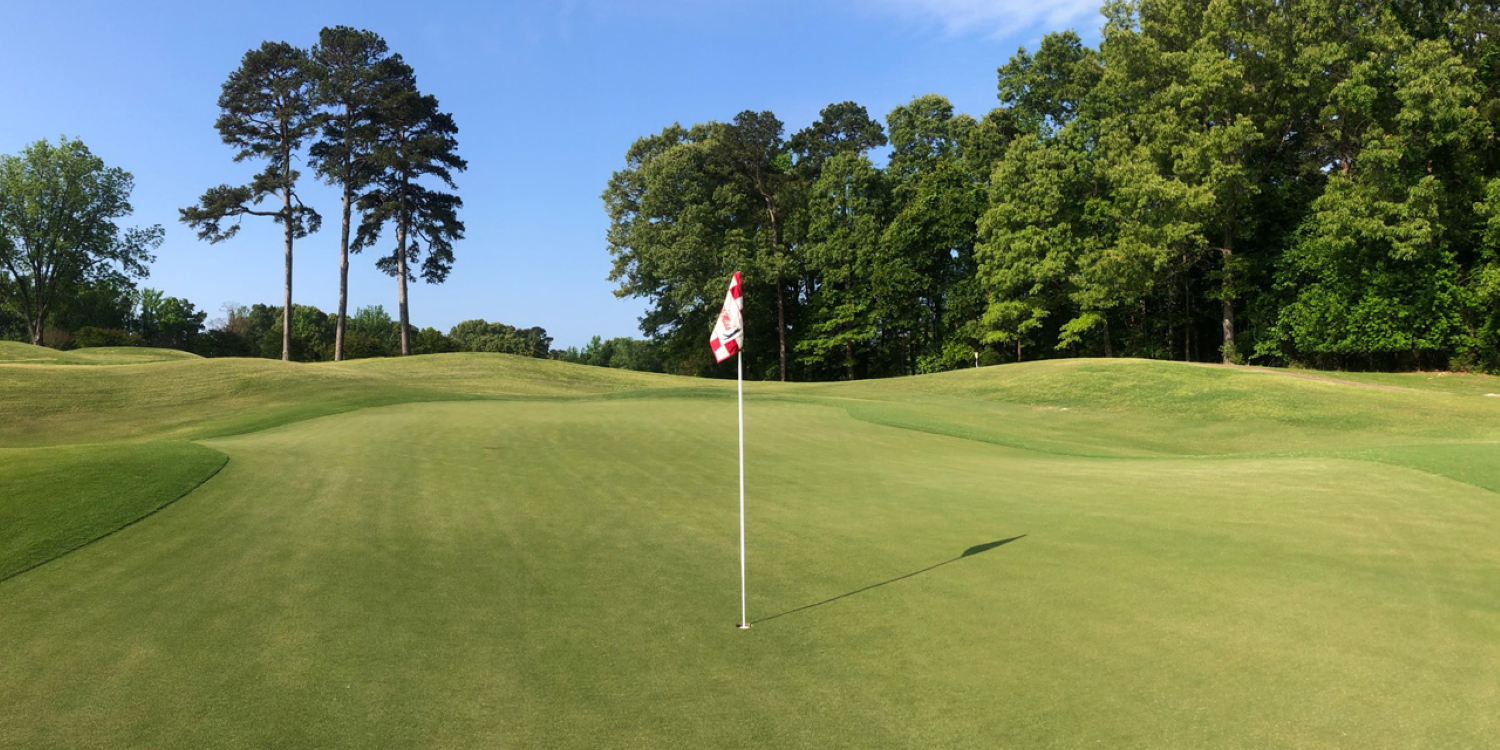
point(563, 573)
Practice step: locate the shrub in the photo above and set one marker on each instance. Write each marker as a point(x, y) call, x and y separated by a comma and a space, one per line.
point(361, 345)
point(431, 341)
point(219, 342)
point(88, 336)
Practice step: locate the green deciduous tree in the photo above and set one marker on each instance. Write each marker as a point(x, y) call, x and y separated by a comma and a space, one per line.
point(1049, 212)
point(105, 303)
point(431, 341)
point(268, 112)
point(938, 200)
point(1033, 239)
point(1378, 268)
point(58, 232)
point(676, 234)
point(622, 353)
point(847, 209)
point(841, 128)
point(1046, 91)
point(484, 336)
point(1205, 95)
point(372, 333)
point(757, 166)
point(164, 321)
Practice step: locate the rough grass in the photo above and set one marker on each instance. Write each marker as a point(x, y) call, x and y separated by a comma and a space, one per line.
point(207, 397)
point(12, 352)
point(485, 551)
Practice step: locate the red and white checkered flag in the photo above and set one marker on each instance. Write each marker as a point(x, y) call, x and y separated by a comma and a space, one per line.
point(729, 332)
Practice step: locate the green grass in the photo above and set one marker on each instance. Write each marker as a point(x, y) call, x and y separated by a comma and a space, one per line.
point(55, 500)
point(16, 353)
point(486, 551)
point(209, 397)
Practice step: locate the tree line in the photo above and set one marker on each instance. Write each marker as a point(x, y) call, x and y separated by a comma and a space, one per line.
point(109, 309)
point(255, 330)
point(110, 312)
point(367, 129)
point(370, 132)
point(68, 276)
point(1308, 183)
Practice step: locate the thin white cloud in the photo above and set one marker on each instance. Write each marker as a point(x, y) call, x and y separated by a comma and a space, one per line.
point(997, 17)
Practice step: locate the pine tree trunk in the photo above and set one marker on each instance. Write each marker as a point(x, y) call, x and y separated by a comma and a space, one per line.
point(286, 309)
point(401, 279)
point(1109, 350)
point(338, 337)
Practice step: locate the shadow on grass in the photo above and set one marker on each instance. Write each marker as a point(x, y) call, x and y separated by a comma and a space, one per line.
point(970, 552)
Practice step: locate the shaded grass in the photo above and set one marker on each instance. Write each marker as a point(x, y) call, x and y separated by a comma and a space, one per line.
point(55, 500)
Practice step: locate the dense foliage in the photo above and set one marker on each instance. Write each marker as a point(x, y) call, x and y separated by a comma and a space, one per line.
point(58, 232)
point(1313, 182)
point(254, 331)
point(623, 353)
point(483, 336)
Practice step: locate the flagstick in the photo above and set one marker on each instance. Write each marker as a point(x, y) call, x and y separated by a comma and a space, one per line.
point(739, 367)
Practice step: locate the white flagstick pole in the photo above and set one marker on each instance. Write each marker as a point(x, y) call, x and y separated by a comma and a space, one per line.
point(739, 366)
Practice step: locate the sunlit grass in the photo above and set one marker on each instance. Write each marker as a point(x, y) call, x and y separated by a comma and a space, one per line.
point(490, 551)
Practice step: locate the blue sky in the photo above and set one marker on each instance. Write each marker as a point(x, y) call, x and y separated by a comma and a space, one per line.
point(547, 95)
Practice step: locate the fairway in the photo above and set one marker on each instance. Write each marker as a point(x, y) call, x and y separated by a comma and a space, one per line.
point(470, 551)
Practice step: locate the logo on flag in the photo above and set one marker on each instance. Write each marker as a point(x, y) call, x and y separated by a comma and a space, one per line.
point(729, 332)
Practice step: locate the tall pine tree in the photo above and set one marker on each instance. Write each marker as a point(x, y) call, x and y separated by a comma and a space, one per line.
point(415, 141)
point(268, 111)
point(352, 66)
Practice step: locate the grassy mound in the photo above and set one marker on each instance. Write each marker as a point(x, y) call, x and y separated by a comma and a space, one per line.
point(1404, 404)
point(12, 352)
point(207, 397)
point(481, 550)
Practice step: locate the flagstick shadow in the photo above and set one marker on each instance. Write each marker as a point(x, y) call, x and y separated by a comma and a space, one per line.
point(970, 552)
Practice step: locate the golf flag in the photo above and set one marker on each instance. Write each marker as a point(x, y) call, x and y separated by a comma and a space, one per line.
point(727, 340)
point(729, 331)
